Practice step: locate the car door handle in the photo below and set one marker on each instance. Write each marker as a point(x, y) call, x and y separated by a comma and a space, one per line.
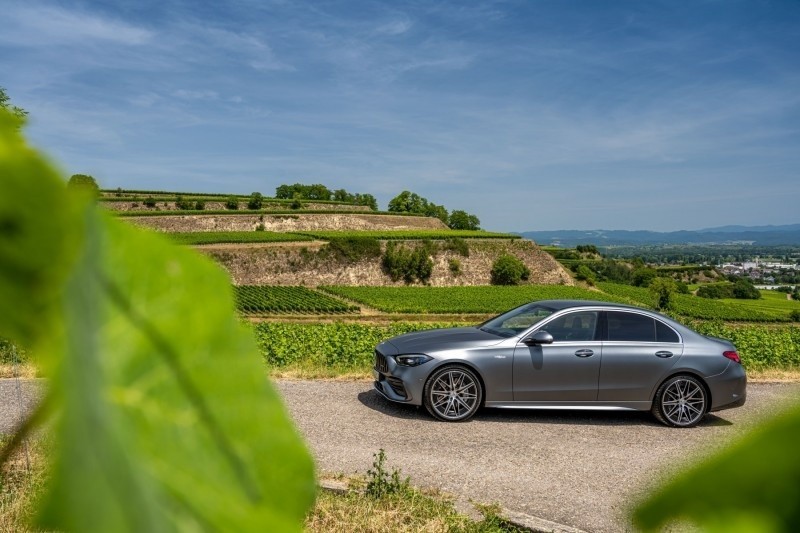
point(584, 353)
point(664, 354)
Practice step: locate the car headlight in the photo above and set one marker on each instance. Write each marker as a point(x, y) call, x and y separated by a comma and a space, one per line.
point(414, 359)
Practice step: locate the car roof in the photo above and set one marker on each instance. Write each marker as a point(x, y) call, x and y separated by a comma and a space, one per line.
point(558, 305)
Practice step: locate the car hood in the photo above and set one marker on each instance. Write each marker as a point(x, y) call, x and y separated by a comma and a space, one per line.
point(442, 339)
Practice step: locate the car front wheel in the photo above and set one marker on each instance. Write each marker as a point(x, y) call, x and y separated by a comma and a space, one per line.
point(681, 401)
point(453, 394)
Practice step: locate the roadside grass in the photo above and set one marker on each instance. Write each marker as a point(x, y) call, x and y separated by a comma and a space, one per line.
point(410, 510)
point(20, 487)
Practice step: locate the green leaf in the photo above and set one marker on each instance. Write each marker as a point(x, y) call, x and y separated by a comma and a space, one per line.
point(162, 414)
point(753, 485)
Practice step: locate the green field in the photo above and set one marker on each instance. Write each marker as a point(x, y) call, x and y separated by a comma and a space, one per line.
point(695, 307)
point(454, 300)
point(294, 300)
point(265, 212)
point(215, 237)
point(416, 234)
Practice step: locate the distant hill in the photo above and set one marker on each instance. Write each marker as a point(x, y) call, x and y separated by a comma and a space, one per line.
point(758, 235)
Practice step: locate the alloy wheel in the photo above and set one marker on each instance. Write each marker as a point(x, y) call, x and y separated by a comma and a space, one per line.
point(454, 394)
point(683, 402)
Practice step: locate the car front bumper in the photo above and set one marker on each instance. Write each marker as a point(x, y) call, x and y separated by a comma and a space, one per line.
point(397, 383)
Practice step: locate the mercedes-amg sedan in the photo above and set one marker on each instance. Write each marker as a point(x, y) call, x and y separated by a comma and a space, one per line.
point(564, 354)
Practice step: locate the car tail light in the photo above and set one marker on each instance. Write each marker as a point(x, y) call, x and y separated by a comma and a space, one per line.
point(733, 356)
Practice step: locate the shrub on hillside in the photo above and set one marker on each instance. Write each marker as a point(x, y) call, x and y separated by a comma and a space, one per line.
point(256, 201)
point(410, 265)
point(744, 289)
point(232, 203)
point(584, 273)
point(182, 203)
point(199, 205)
point(149, 202)
point(795, 315)
point(455, 267)
point(509, 270)
point(353, 249)
point(457, 245)
point(641, 277)
point(662, 289)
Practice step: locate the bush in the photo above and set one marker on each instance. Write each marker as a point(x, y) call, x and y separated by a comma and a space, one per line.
point(182, 203)
point(457, 245)
point(380, 482)
point(663, 289)
point(641, 277)
point(256, 201)
point(232, 203)
point(509, 270)
point(744, 289)
point(296, 203)
point(399, 262)
point(455, 267)
point(199, 205)
point(352, 249)
point(795, 315)
point(584, 273)
point(149, 202)
point(716, 291)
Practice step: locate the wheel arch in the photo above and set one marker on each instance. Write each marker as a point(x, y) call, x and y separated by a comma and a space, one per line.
point(691, 373)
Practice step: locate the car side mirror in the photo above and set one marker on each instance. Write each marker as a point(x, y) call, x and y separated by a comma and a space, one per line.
point(540, 337)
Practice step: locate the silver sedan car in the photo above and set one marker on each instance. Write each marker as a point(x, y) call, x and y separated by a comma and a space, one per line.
point(563, 354)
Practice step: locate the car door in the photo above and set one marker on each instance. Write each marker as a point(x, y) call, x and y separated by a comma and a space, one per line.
point(638, 352)
point(564, 371)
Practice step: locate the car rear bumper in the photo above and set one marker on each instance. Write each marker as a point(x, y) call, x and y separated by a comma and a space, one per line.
point(729, 389)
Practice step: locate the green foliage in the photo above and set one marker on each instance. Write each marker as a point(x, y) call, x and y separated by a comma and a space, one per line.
point(232, 203)
point(338, 347)
point(420, 234)
point(481, 299)
point(751, 485)
point(215, 237)
point(409, 264)
point(409, 202)
point(159, 437)
point(296, 203)
point(662, 290)
point(509, 270)
point(642, 276)
point(743, 289)
point(342, 195)
point(255, 202)
point(84, 181)
point(278, 299)
point(182, 203)
point(305, 192)
point(587, 249)
point(149, 202)
point(761, 347)
point(456, 244)
point(352, 249)
point(715, 291)
point(380, 482)
point(795, 315)
point(584, 273)
point(462, 220)
point(199, 205)
point(17, 114)
point(455, 266)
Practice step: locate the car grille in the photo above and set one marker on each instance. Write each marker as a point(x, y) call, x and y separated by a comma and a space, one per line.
point(380, 363)
point(397, 386)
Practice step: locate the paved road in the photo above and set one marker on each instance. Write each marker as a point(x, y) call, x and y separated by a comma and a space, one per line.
point(579, 469)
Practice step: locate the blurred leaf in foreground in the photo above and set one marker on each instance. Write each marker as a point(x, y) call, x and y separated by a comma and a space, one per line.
point(752, 485)
point(163, 417)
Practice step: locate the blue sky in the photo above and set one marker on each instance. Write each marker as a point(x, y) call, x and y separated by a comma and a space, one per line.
point(534, 115)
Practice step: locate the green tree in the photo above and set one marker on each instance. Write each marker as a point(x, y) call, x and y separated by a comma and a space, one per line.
point(461, 220)
point(584, 273)
point(5, 103)
point(232, 202)
point(642, 276)
point(255, 201)
point(410, 202)
point(84, 181)
point(509, 270)
point(662, 289)
point(744, 289)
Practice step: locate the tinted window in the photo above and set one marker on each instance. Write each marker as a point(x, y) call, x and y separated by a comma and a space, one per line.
point(664, 333)
point(630, 327)
point(573, 326)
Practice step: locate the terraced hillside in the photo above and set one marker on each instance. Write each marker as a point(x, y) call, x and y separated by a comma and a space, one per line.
point(303, 264)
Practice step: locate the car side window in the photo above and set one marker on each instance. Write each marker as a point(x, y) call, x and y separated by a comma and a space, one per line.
point(630, 327)
point(664, 333)
point(579, 326)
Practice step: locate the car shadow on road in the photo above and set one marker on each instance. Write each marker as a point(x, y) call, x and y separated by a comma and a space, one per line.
point(376, 402)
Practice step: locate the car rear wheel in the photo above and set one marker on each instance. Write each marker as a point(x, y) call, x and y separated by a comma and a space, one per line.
point(681, 401)
point(453, 394)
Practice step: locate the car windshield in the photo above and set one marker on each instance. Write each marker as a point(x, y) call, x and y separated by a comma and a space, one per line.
point(516, 321)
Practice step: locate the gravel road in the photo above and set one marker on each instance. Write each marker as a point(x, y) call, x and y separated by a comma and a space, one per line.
point(582, 469)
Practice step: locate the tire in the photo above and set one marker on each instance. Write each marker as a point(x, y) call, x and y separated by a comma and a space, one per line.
point(681, 401)
point(453, 394)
